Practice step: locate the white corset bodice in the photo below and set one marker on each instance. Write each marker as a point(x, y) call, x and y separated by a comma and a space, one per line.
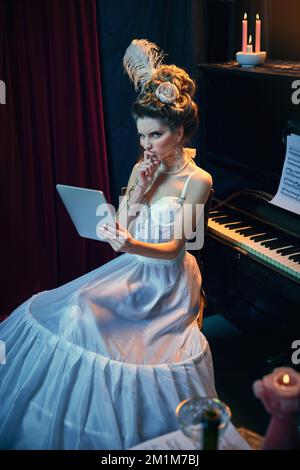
point(155, 222)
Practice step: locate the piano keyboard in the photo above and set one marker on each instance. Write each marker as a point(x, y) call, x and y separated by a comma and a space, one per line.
point(269, 245)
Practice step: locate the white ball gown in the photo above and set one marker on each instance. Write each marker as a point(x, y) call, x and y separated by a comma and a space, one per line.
point(101, 362)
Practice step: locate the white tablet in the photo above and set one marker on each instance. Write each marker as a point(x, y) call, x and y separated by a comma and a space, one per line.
point(88, 210)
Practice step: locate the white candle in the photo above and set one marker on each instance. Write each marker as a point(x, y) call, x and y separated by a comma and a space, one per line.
point(257, 34)
point(245, 33)
point(249, 48)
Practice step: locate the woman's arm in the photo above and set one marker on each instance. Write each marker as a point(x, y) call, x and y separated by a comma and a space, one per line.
point(142, 177)
point(167, 250)
point(133, 195)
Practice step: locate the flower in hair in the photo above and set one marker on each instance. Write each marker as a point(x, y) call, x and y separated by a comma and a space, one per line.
point(167, 92)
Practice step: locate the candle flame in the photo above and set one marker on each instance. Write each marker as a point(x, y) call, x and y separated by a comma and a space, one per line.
point(245, 16)
point(286, 379)
point(257, 16)
point(250, 39)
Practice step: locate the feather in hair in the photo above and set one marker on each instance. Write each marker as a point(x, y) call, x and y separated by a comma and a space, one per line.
point(140, 61)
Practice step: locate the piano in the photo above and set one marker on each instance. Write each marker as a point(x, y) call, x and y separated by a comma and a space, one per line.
point(268, 234)
point(251, 255)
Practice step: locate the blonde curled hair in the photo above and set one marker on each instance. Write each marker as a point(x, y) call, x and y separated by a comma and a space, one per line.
point(165, 91)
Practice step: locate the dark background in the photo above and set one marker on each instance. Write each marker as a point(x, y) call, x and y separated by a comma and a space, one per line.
point(190, 32)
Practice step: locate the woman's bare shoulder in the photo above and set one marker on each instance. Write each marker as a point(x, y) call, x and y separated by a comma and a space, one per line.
point(201, 175)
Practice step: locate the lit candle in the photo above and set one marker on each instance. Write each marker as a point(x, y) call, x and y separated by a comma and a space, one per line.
point(245, 33)
point(280, 394)
point(257, 34)
point(249, 48)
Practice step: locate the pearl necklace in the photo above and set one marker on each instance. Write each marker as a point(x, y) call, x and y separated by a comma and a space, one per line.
point(176, 171)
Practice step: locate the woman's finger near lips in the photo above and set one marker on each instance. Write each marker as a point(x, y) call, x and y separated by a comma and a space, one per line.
point(152, 165)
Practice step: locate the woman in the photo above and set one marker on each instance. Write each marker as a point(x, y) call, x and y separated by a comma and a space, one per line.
point(102, 361)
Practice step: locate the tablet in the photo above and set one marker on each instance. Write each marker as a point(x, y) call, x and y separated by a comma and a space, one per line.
point(88, 210)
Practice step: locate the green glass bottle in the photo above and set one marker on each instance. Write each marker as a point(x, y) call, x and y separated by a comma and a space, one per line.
point(210, 424)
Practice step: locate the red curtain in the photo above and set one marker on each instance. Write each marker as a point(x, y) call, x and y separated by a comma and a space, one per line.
point(52, 131)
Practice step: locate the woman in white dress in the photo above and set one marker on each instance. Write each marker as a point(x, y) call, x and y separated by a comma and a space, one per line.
point(101, 362)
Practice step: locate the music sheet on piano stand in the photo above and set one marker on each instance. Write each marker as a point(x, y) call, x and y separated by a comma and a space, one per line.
point(288, 193)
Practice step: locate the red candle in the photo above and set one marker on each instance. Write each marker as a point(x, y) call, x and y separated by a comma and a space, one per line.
point(245, 33)
point(257, 34)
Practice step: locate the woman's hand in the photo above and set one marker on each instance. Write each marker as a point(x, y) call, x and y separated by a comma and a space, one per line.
point(118, 237)
point(147, 169)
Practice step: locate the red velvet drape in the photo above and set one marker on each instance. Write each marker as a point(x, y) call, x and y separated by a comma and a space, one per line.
point(52, 131)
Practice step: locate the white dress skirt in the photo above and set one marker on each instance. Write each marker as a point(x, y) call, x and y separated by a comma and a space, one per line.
point(102, 362)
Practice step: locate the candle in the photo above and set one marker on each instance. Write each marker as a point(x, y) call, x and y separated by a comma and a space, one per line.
point(257, 34)
point(249, 48)
point(280, 394)
point(245, 33)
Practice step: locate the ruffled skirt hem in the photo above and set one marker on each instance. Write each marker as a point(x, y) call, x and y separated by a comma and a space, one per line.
point(57, 395)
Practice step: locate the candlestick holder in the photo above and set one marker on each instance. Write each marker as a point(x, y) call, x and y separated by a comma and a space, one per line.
point(189, 414)
point(251, 59)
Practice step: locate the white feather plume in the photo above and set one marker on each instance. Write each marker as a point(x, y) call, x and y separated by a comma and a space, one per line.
point(140, 61)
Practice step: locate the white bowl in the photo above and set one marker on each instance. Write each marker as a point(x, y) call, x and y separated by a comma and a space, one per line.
point(251, 59)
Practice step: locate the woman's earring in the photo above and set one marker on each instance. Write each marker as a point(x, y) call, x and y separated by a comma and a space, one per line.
point(178, 153)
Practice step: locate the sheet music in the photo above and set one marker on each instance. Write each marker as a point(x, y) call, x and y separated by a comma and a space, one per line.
point(178, 441)
point(288, 193)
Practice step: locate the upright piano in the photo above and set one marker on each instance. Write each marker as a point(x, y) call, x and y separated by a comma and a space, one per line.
point(251, 256)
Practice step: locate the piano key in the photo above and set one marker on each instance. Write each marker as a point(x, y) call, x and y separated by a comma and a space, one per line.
point(278, 243)
point(249, 231)
point(214, 211)
point(231, 220)
point(286, 244)
point(235, 226)
point(223, 220)
point(253, 245)
point(283, 262)
point(217, 217)
point(267, 243)
point(295, 257)
point(288, 250)
point(217, 212)
point(258, 238)
point(244, 228)
point(266, 250)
